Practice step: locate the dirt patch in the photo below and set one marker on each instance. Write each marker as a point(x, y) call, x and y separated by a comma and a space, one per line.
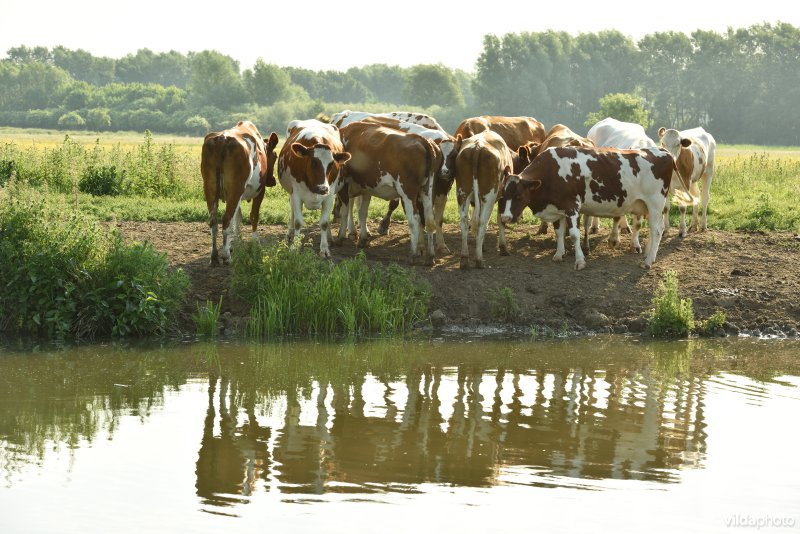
point(753, 277)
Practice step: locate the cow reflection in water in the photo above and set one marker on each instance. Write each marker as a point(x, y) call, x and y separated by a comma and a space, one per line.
point(465, 426)
point(231, 461)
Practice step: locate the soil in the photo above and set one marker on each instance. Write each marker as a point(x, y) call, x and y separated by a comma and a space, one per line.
point(753, 277)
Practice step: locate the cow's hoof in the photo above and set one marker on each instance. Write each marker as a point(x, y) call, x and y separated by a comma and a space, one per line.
point(683, 233)
point(442, 249)
point(504, 251)
point(383, 229)
point(464, 263)
point(645, 265)
point(542, 230)
point(430, 261)
point(613, 242)
point(580, 265)
point(479, 264)
point(626, 230)
point(594, 230)
point(363, 242)
point(214, 261)
point(558, 257)
point(325, 254)
point(637, 250)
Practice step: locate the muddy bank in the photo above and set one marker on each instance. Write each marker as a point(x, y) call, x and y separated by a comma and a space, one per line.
point(753, 277)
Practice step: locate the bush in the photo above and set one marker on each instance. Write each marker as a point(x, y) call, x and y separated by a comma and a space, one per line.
point(102, 181)
point(293, 292)
point(713, 325)
point(63, 275)
point(504, 305)
point(6, 170)
point(71, 120)
point(670, 316)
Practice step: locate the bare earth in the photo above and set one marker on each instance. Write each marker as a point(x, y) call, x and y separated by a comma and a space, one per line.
point(753, 277)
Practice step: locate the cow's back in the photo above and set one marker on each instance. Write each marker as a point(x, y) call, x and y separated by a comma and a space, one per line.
point(515, 131)
point(613, 133)
point(376, 149)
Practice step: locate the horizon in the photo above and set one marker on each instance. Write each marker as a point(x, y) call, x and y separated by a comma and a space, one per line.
point(98, 35)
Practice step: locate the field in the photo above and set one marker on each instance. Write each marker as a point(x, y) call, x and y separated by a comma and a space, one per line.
point(153, 192)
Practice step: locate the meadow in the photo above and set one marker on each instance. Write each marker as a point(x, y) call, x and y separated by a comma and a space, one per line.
point(130, 176)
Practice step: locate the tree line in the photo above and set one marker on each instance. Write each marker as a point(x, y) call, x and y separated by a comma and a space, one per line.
point(743, 85)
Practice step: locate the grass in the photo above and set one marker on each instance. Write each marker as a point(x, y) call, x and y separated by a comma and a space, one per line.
point(504, 304)
point(294, 293)
point(206, 318)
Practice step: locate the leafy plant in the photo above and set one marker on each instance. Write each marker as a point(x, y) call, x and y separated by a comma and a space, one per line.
point(670, 315)
point(503, 304)
point(207, 317)
point(712, 325)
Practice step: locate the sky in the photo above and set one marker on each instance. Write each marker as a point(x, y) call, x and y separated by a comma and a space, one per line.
point(336, 35)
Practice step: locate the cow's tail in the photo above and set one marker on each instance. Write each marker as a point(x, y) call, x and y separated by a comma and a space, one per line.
point(475, 193)
point(221, 141)
point(683, 195)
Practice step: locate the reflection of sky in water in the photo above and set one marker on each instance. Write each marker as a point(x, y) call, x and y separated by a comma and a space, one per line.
point(527, 441)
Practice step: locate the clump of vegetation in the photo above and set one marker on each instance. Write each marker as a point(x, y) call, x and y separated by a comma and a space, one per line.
point(293, 292)
point(63, 275)
point(503, 304)
point(206, 318)
point(670, 315)
point(713, 325)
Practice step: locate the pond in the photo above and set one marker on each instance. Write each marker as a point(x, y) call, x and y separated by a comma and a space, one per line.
point(596, 434)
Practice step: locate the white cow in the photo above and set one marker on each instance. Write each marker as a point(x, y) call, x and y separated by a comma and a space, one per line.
point(696, 163)
point(343, 118)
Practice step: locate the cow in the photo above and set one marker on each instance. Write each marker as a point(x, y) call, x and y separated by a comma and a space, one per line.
point(389, 164)
point(236, 165)
point(515, 131)
point(563, 182)
point(444, 143)
point(309, 168)
point(558, 135)
point(343, 118)
point(482, 164)
point(613, 133)
point(695, 163)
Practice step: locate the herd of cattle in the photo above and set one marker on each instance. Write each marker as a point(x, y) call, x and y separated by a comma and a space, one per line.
point(512, 161)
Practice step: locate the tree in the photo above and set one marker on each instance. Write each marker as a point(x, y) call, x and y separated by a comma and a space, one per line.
point(198, 125)
point(267, 83)
point(71, 120)
point(429, 85)
point(624, 107)
point(98, 119)
point(215, 81)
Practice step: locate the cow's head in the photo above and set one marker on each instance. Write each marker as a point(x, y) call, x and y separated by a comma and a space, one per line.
point(517, 195)
point(268, 161)
point(449, 152)
point(322, 165)
point(671, 140)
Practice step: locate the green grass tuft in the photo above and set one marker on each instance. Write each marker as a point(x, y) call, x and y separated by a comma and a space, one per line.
point(670, 315)
point(504, 304)
point(206, 318)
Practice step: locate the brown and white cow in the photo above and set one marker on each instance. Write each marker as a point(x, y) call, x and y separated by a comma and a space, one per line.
point(236, 165)
point(482, 164)
point(390, 164)
point(343, 118)
point(444, 144)
point(515, 131)
point(309, 168)
point(563, 182)
point(695, 163)
point(559, 135)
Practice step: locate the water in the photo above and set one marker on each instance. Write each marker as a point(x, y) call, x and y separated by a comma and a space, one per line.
point(593, 435)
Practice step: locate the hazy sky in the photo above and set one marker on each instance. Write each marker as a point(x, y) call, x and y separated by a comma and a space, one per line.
point(337, 34)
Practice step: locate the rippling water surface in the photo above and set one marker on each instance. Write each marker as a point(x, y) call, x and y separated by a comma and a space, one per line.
point(592, 435)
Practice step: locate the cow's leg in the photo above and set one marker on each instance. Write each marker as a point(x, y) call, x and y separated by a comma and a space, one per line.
point(586, 224)
point(383, 228)
point(655, 236)
point(485, 213)
point(559, 226)
point(705, 198)
point(666, 214)
point(623, 225)
point(430, 225)
point(542, 228)
point(595, 228)
point(325, 226)
point(463, 219)
point(473, 225)
point(573, 223)
point(439, 202)
point(297, 218)
point(682, 228)
point(213, 208)
point(344, 209)
point(255, 212)
point(363, 211)
point(228, 220)
point(409, 206)
point(613, 237)
point(501, 235)
point(351, 229)
point(637, 227)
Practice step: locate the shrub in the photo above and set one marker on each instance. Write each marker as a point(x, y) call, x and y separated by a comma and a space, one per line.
point(503, 304)
point(712, 325)
point(6, 170)
point(63, 275)
point(102, 181)
point(71, 120)
point(670, 315)
point(293, 292)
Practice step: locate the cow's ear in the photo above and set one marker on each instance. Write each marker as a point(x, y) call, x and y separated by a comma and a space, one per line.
point(457, 143)
point(506, 172)
point(524, 153)
point(685, 142)
point(273, 141)
point(301, 150)
point(341, 157)
point(661, 131)
point(534, 147)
